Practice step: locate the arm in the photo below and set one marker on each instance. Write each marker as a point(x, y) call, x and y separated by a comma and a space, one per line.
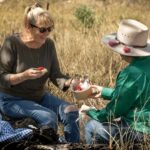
point(100, 91)
point(7, 63)
point(107, 93)
point(60, 80)
point(31, 73)
point(17, 78)
point(124, 96)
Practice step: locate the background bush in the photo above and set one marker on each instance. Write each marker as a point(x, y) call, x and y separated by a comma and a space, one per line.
point(85, 15)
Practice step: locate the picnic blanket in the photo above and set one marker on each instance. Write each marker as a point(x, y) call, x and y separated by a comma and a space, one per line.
point(9, 134)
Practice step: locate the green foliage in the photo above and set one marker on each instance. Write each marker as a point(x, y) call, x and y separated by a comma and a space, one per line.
point(85, 15)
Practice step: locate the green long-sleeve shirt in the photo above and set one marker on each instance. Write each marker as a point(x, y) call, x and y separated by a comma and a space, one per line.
point(130, 99)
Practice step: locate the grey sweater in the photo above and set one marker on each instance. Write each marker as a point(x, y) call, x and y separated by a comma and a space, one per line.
point(16, 57)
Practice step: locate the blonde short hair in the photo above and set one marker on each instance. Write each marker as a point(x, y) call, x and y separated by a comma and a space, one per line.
point(36, 13)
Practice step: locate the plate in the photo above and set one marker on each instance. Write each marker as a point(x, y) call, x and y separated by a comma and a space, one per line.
point(83, 94)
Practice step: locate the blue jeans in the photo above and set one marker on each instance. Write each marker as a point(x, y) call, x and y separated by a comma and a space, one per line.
point(96, 132)
point(47, 112)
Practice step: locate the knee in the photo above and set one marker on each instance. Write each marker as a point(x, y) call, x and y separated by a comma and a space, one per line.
point(48, 119)
point(70, 108)
point(88, 125)
point(91, 126)
point(68, 113)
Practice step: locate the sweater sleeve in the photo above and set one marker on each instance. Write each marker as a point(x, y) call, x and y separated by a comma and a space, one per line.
point(56, 76)
point(7, 61)
point(124, 96)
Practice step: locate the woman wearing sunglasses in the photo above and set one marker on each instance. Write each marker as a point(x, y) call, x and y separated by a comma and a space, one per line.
point(27, 61)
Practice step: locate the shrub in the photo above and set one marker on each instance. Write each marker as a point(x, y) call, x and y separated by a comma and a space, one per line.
point(85, 15)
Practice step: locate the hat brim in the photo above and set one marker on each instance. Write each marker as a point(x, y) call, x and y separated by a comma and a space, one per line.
point(119, 48)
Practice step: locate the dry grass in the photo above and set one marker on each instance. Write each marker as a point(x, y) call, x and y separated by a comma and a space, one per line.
point(79, 49)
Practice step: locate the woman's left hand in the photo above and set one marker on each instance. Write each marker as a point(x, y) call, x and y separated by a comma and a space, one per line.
point(72, 83)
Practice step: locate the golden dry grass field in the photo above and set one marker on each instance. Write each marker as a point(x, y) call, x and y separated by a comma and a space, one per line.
point(79, 49)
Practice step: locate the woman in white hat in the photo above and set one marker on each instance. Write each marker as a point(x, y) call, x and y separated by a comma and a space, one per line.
point(130, 98)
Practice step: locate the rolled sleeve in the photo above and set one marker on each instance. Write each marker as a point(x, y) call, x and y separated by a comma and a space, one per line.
point(7, 60)
point(99, 115)
point(5, 79)
point(56, 76)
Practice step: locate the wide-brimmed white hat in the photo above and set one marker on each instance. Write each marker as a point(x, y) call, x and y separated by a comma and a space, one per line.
point(131, 39)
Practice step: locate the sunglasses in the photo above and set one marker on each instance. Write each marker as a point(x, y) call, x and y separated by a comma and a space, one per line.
point(42, 29)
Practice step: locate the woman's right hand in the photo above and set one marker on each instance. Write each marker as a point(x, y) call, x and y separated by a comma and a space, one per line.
point(33, 73)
